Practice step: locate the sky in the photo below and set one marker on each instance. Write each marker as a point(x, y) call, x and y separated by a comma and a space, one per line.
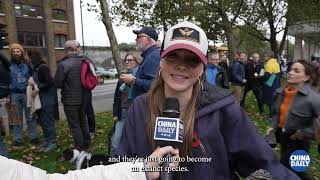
point(94, 30)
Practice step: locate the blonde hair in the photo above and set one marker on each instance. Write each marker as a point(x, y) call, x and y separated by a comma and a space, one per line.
point(155, 100)
point(134, 57)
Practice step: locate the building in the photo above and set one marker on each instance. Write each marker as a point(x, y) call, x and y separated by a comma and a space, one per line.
point(44, 25)
point(307, 39)
point(305, 28)
point(102, 56)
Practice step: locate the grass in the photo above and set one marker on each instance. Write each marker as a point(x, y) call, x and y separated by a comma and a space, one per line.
point(262, 124)
point(47, 161)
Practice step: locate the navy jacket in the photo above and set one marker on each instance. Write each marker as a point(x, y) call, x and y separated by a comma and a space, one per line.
point(147, 71)
point(226, 133)
point(238, 73)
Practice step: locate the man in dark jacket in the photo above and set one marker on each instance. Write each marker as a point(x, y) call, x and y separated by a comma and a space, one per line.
point(147, 42)
point(4, 90)
point(239, 76)
point(5, 75)
point(216, 75)
point(73, 94)
point(253, 69)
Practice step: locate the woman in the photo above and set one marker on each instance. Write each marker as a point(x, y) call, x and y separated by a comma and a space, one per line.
point(122, 100)
point(48, 99)
point(214, 125)
point(295, 108)
point(15, 170)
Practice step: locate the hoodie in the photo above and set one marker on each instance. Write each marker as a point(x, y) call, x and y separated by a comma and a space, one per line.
point(226, 135)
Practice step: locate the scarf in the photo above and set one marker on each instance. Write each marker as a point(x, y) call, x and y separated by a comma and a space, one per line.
point(124, 87)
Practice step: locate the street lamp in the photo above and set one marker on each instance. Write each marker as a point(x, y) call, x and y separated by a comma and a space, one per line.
point(81, 26)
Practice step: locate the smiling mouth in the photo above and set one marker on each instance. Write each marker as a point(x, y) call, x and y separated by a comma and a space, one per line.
point(177, 76)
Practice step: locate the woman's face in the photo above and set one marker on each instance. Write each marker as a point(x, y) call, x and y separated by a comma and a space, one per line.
point(180, 70)
point(297, 74)
point(129, 62)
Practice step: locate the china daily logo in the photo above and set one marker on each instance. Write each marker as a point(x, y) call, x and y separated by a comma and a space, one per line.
point(299, 160)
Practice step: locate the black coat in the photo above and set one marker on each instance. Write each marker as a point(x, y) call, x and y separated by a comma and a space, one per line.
point(222, 79)
point(68, 79)
point(250, 70)
point(5, 76)
point(4, 70)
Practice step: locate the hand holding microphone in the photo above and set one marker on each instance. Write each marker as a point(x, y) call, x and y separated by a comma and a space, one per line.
point(157, 154)
point(169, 132)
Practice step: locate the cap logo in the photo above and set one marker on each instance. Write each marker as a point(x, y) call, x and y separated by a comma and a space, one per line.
point(186, 33)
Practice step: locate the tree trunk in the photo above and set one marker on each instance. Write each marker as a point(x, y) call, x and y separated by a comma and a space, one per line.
point(231, 44)
point(283, 40)
point(112, 38)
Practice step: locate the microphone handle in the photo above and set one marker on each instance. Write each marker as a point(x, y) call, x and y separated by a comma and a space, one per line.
point(165, 175)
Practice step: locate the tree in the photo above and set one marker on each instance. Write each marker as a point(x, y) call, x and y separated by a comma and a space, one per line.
point(270, 18)
point(156, 13)
point(104, 16)
point(262, 19)
point(249, 44)
point(219, 19)
point(212, 16)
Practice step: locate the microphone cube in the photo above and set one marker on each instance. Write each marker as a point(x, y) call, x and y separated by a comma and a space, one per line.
point(169, 130)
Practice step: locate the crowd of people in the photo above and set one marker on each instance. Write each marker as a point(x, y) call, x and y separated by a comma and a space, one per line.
point(211, 92)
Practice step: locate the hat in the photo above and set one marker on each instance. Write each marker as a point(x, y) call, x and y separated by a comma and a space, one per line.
point(148, 31)
point(16, 46)
point(189, 36)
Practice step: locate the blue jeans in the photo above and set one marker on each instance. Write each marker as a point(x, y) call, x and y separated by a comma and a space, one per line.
point(47, 120)
point(115, 140)
point(3, 148)
point(20, 99)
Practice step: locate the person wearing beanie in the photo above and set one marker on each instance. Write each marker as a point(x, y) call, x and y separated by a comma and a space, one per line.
point(20, 72)
point(218, 139)
point(146, 42)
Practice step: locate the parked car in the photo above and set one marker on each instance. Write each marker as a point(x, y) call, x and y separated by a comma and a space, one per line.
point(100, 71)
point(112, 73)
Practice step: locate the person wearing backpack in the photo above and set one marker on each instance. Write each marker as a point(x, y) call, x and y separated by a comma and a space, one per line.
point(73, 93)
point(20, 72)
point(48, 99)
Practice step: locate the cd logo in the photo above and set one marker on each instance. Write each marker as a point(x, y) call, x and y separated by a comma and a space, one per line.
point(299, 160)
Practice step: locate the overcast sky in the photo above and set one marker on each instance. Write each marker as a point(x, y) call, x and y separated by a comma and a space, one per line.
point(94, 30)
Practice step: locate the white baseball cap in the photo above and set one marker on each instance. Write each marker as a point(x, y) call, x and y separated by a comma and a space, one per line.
point(189, 36)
